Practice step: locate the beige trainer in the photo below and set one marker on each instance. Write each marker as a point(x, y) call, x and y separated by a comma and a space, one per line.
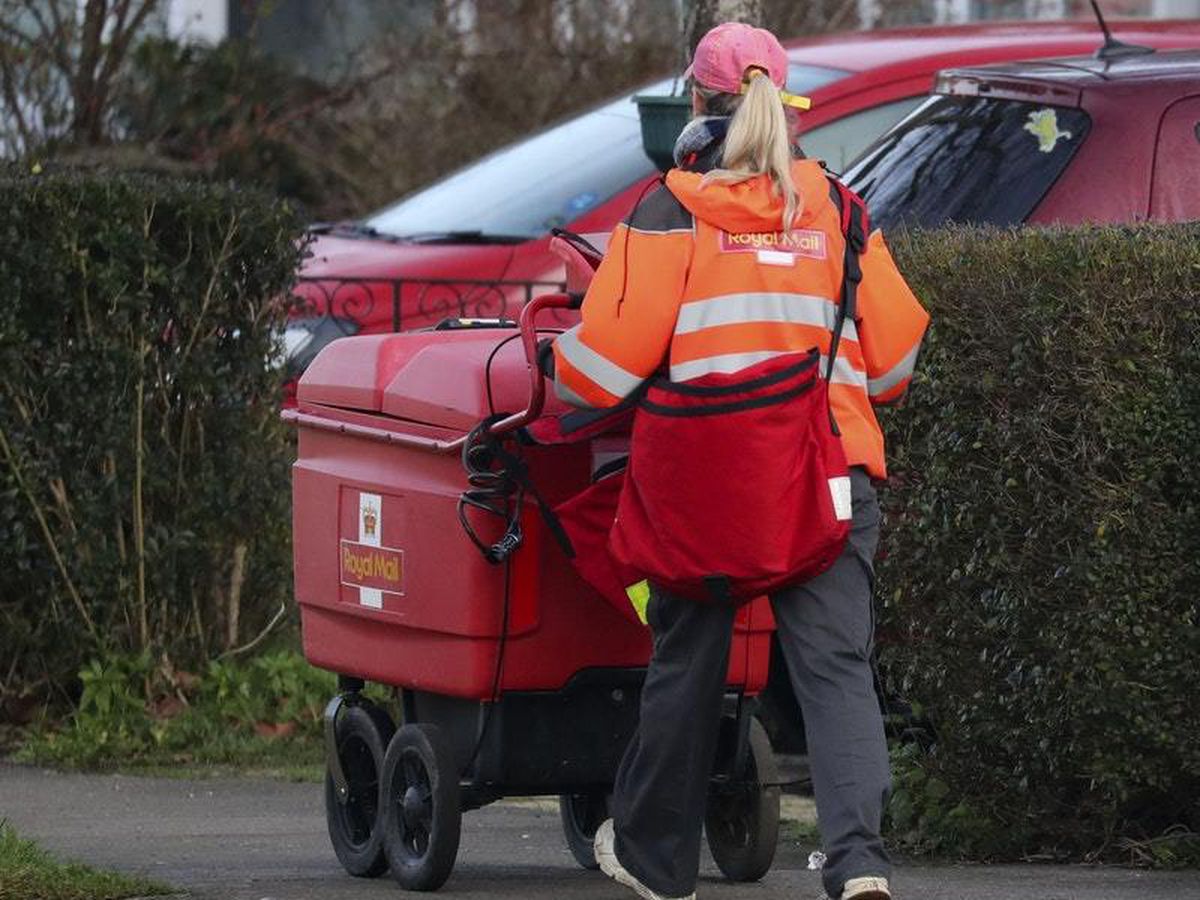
point(868, 888)
point(606, 856)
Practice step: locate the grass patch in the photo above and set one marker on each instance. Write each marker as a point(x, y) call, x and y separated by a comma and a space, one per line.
point(27, 872)
point(236, 752)
point(239, 756)
point(283, 768)
point(798, 822)
point(801, 832)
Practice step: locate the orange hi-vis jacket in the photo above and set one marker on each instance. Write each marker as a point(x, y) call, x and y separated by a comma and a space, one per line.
point(702, 276)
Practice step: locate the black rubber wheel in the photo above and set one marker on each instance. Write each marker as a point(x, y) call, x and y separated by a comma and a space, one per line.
point(581, 815)
point(422, 819)
point(363, 733)
point(742, 818)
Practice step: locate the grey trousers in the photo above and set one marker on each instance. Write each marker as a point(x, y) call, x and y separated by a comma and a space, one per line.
point(825, 630)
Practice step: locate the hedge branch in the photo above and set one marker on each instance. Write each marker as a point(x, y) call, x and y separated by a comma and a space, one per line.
point(58, 488)
point(217, 272)
point(139, 525)
point(245, 648)
point(51, 544)
point(4, 687)
point(237, 577)
point(84, 282)
point(139, 452)
point(110, 470)
point(198, 621)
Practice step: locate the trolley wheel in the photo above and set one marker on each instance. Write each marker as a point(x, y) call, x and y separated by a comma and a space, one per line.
point(581, 815)
point(422, 818)
point(742, 819)
point(363, 732)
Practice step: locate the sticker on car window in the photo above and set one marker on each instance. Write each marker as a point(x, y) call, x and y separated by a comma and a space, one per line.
point(582, 202)
point(1043, 124)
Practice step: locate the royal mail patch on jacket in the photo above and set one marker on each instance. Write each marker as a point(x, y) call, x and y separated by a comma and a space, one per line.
point(777, 247)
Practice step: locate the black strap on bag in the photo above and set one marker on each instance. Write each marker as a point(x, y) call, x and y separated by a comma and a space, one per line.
point(855, 227)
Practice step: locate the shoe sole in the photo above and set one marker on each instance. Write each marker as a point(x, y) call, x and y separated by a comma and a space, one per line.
point(611, 867)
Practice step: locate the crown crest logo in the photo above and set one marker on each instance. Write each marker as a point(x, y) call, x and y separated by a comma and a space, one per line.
point(370, 520)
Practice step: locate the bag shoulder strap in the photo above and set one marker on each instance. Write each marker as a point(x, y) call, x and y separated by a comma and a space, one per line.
point(855, 227)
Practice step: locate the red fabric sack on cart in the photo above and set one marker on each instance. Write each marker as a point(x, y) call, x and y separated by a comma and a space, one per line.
point(587, 519)
point(737, 483)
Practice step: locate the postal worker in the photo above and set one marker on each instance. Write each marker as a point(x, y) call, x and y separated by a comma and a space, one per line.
point(736, 259)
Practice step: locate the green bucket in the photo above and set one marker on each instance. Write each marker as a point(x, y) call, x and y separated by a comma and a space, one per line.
point(662, 119)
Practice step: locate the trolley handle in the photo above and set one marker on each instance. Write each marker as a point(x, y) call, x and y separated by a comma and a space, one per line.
point(529, 339)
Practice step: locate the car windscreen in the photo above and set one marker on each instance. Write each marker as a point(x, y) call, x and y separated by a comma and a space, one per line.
point(967, 159)
point(551, 178)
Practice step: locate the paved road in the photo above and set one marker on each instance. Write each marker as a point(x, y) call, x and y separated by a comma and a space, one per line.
point(253, 840)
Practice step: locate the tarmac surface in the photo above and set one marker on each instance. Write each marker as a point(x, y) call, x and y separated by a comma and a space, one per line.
point(235, 839)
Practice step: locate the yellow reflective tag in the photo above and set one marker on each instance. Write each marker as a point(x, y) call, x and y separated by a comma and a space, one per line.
point(639, 596)
point(795, 100)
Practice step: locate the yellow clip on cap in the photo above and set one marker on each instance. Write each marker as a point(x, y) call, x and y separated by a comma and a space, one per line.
point(795, 101)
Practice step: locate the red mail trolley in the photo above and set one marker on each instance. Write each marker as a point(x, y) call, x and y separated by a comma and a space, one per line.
point(423, 563)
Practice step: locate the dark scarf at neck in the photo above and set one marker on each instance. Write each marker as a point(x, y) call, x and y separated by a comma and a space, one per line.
point(698, 146)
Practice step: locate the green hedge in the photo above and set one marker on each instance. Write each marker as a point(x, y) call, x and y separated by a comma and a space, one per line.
point(1040, 568)
point(1040, 561)
point(143, 468)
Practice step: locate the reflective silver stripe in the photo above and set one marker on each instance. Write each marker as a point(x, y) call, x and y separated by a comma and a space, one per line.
point(896, 375)
point(603, 372)
point(729, 362)
point(569, 396)
point(843, 371)
point(733, 309)
point(637, 230)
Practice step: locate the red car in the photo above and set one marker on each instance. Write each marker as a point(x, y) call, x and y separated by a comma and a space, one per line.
point(1060, 141)
point(475, 243)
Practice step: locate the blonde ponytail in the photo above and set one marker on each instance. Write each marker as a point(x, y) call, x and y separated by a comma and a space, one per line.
point(757, 144)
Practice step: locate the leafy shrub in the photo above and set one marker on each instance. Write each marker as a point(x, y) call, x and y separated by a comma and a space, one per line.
point(143, 467)
point(279, 687)
point(242, 712)
point(1039, 566)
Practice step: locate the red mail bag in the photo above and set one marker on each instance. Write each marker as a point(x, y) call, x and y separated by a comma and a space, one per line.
point(737, 483)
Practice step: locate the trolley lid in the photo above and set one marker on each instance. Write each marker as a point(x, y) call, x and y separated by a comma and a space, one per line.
point(434, 377)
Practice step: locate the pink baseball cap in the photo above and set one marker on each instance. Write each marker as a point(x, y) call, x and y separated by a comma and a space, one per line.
point(728, 50)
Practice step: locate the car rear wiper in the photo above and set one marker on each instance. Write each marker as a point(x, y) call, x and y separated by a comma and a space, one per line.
point(464, 237)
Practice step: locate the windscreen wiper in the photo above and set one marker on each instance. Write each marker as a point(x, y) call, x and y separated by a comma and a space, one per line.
point(464, 237)
point(351, 229)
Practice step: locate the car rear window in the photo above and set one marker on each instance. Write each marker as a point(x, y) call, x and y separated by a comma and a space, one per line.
point(967, 159)
point(552, 178)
